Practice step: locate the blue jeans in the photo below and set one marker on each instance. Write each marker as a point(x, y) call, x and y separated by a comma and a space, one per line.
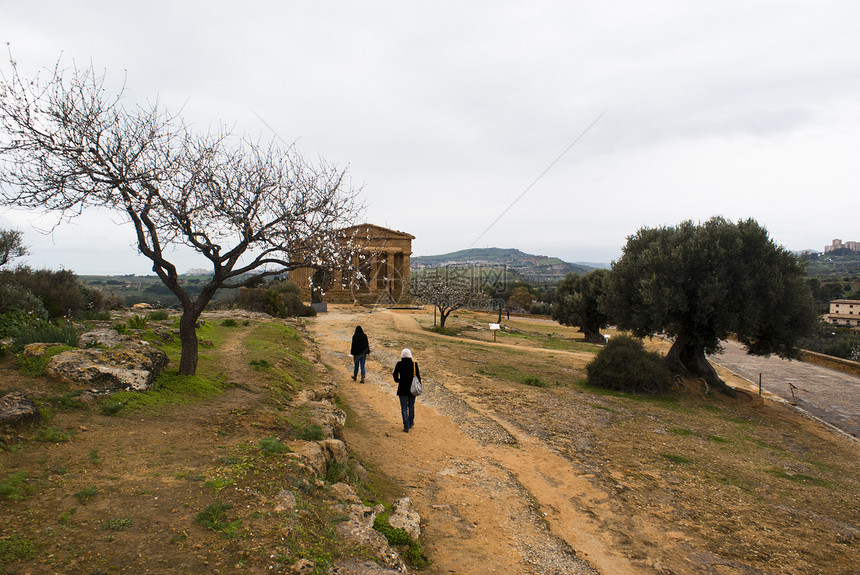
point(358, 361)
point(407, 410)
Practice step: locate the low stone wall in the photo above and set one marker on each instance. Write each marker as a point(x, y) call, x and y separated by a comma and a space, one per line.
point(837, 363)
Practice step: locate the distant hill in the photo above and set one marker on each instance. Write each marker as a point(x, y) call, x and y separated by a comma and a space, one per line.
point(526, 267)
point(833, 266)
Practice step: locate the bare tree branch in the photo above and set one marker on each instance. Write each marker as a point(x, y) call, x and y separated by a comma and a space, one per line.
point(66, 145)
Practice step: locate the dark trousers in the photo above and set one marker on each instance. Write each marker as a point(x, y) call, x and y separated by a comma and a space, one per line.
point(358, 361)
point(407, 410)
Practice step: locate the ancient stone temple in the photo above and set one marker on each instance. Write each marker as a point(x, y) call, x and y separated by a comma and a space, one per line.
point(379, 273)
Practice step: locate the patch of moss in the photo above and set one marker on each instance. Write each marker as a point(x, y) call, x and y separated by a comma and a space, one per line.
point(13, 548)
point(15, 486)
point(169, 388)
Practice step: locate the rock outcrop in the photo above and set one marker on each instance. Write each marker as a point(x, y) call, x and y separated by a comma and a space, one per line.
point(358, 529)
point(17, 409)
point(132, 367)
point(403, 516)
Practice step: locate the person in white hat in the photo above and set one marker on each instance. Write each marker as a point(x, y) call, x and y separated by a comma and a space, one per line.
point(403, 372)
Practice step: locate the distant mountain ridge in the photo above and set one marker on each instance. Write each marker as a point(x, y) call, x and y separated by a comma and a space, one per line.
point(528, 267)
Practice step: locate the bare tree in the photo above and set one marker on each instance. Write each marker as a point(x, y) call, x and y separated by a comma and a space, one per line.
point(448, 290)
point(251, 210)
point(11, 246)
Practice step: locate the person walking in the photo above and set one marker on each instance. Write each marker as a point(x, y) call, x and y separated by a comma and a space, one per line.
point(403, 372)
point(359, 350)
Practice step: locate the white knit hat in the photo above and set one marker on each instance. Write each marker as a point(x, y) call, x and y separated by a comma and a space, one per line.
point(406, 353)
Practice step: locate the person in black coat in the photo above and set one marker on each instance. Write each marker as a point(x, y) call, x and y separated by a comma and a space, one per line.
point(359, 350)
point(403, 373)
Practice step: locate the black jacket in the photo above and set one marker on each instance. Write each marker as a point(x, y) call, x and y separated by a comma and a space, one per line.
point(360, 345)
point(403, 375)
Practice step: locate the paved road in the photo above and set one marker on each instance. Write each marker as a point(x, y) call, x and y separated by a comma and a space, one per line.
point(830, 395)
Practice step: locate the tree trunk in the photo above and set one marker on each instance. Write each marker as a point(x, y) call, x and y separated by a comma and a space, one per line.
point(188, 339)
point(592, 335)
point(688, 359)
point(442, 317)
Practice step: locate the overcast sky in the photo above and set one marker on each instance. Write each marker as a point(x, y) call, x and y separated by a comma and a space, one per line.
point(645, 113)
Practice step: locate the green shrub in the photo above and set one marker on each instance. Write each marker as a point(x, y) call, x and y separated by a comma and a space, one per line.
point(86, 494)
point(35, 366)
point(272, 445)
point(138, 321)
point(52, 435)
point(18, 299)
point(69, 400)
point(540, 308)
point(834, 341)
point(111, 407)
point(335, 472)
point(312, 433)
point(395, 536)
point(15, 486)
point(92, 315)
point(214, 517)
point(229, 322)
point(260, 364)
point(158, 315)
point(278, 298)
point(42, 331)
point(14, 320)
point(625, 365)
point(11, 321)
point(415, 557)
point(60, 291)
point(444, 330)
point(414, 554)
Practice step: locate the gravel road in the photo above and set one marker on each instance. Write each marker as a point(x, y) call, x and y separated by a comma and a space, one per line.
point(830, 395)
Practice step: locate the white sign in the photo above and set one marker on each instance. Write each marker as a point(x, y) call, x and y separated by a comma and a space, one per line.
point(495, 326)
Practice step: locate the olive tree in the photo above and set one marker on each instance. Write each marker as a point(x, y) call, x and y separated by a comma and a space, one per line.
point(578, 302)
point(67, 145)
point(701, 283)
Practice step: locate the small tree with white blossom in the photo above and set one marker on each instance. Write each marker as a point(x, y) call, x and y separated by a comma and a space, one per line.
point(448, 290)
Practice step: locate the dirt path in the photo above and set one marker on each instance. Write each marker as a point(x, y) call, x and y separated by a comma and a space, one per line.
point(498, 503)
point(511, 477)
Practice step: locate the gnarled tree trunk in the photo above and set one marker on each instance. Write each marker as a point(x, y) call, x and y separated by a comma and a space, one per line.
point(689, 359)
point(592, 335)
